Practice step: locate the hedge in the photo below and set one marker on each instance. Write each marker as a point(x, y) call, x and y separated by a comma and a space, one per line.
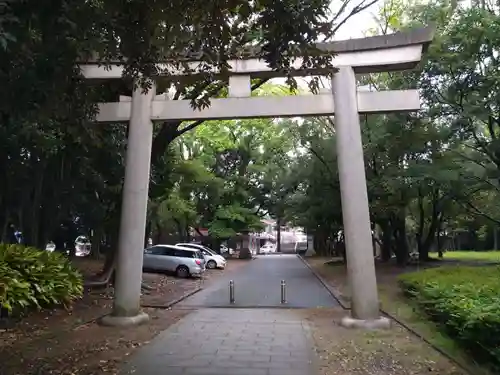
point(32, 278)
point(466, 302)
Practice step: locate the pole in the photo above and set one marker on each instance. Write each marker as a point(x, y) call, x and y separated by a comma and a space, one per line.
point(355, 211)
point(283, 291)
point(231, 291)
point(126, 306)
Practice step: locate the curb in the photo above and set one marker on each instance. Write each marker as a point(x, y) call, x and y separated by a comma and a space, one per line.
point(325, 284)
point(167, 306)
point(175, 301)
point(333, 292)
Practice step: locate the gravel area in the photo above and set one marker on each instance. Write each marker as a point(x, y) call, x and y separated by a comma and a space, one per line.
point(342, 351)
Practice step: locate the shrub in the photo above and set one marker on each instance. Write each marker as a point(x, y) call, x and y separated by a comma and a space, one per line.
point(464, 300)
point(31, 278)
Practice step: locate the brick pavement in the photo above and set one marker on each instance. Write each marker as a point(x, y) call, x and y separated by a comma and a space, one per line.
point(229, 342)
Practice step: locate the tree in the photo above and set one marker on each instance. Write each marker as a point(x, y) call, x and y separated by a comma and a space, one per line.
point(432, 174)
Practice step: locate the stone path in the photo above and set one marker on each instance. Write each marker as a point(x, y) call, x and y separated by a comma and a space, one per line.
point(239, 340)
point(229, 342)
point(258, 285)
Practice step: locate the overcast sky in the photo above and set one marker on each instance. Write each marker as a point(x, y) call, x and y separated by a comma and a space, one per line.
point(355, 27)
point(360, 23)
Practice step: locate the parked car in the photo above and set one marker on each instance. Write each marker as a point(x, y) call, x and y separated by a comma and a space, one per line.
point(213, 260)
point(82, 246)
point(268, 248)
point(183, 261)
point(50, 247)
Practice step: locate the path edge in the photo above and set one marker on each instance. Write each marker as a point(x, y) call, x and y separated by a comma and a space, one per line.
point(333, 292)
point(175, 301)
point(166, 306)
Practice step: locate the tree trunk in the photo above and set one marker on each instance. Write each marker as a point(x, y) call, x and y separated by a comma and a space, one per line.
point(342, 249)
point(111, 251)
point(95, 240)
point(278, 234)
point(5, 226)
point(386, 246)
point(401, 243)
point(216, 242)
point(148, 233)
point(439, 240)
point(35, 209)
point(320, 243)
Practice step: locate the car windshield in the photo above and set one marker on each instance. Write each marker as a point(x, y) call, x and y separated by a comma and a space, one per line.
point(210, 251)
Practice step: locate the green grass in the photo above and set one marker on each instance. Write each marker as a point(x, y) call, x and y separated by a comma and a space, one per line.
point(486, 256)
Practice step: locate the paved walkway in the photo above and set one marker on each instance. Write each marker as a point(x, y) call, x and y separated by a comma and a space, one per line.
point(258, 285)
point(229, 342)
point(241, 341)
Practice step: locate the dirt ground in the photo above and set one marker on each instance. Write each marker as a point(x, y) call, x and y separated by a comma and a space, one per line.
point(343, 351)
point(70, 342)
point(396, 351)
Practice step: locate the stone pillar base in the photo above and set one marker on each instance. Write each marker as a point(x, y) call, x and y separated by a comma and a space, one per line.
point(380, 323)
point(124, 321)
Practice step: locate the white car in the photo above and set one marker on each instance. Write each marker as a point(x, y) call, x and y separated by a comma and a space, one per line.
point(212, 259)
point(82, 246)
point(268, 248)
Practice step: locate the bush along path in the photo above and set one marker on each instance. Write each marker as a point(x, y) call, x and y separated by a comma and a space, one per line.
point(466, 302)
point(62, 337)
point(33, 279)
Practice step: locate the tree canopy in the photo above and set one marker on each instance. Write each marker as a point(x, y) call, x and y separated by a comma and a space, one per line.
point(432, 175)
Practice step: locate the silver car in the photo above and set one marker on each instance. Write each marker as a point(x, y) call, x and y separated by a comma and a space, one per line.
point(183, 261)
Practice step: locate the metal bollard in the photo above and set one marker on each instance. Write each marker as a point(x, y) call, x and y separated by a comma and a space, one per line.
point(283, 291)
point(231, 291)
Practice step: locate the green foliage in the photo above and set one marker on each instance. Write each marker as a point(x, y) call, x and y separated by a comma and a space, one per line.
point(429, 174)
point(50, 148)
point(31, 278)
point(225, 176)
point(466, 301)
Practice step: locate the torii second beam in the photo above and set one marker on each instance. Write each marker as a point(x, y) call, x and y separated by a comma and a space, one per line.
point(265, 106)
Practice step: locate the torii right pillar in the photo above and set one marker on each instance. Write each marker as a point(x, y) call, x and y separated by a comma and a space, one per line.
point(365, 310)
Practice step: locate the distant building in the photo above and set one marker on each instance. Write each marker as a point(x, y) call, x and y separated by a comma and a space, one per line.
point(288, 233)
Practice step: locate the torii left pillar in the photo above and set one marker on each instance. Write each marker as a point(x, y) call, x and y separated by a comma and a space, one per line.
point(127, 299)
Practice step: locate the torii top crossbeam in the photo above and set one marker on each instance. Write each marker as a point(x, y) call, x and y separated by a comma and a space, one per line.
point(399, 51)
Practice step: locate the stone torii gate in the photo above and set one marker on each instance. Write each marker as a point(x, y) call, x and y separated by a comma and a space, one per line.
point(394, 52)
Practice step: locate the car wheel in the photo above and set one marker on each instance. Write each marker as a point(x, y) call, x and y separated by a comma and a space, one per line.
point(211, 264)
point(182, 271)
